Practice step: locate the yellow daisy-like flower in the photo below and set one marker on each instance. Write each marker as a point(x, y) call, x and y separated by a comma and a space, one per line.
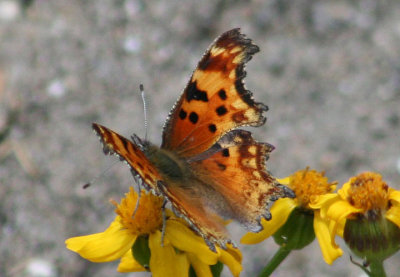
point(297, 218)
point(366, 213)
point(129, 238)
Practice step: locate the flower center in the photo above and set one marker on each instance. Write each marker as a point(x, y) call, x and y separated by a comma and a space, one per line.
point(148, 216)
point(308, 184)
point(368, 192)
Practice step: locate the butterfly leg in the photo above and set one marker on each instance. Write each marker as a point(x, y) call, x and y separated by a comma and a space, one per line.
point(164, 218)
point(139, 183)
point(138, 201)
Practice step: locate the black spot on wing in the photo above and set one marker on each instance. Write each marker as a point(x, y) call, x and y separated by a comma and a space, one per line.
point(193, 93)
point(225, 152)
point(193, 117)
point(212, 128)
point(182, 114)
point(222, 94)
point(221, 110)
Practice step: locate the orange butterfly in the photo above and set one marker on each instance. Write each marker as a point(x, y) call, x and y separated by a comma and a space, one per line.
point(204, 167)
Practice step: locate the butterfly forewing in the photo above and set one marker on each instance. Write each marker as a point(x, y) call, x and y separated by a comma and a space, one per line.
point(114, 143)
point(215, 99)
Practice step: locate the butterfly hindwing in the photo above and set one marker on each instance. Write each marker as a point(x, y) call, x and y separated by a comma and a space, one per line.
point(215, 100)
point(236, 170)
point(188, 202)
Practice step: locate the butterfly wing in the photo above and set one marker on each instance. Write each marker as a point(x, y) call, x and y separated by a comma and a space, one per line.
point(189, 204)
point(131, 153)
point(215, 100)
point(236, 171)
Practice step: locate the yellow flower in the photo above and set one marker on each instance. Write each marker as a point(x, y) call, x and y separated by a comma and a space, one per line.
point(366, 213)
point(295, 222)
point(128, 238)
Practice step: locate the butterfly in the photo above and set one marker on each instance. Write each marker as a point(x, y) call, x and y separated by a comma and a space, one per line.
point(206, 167)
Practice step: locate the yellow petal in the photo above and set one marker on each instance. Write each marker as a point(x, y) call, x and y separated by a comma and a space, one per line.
point(280, 211)
point(322, 200)
point(340, 210)
point(394, 195)
point(338, 227)
point(164, 260)
point(201, 269)
point(108, 246)
point(186, 240)
point(393, 214)
point(330, 251)
point(232, 257)
point(129, 264)
point(235, 252)
point(343, 192)
point(284, 181)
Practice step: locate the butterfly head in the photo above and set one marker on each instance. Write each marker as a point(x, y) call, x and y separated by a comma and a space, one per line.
point(143, 144)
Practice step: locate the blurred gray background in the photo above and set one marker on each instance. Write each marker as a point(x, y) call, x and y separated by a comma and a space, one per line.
point(328, 70)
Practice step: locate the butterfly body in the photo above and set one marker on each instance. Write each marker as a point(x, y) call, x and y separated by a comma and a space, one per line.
point(206, 168)
point(171, 167)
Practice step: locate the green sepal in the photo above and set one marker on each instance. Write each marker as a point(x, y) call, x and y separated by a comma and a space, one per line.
point(372, 239)
point(216, 269)
point(141, 251)
point(298, 231)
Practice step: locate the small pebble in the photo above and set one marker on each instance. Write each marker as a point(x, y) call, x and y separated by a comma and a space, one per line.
point(132, 44)
point(37, 267)
point(56, 88)
point(9, 10)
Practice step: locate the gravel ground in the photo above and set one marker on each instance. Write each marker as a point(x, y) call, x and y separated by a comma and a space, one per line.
point(328, 70)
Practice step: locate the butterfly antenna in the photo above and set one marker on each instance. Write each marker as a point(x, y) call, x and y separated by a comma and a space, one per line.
point(85, 186)
point(144, 110)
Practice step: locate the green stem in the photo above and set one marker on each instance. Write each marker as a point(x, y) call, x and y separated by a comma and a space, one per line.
point(377, 269)
point(275, 262)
